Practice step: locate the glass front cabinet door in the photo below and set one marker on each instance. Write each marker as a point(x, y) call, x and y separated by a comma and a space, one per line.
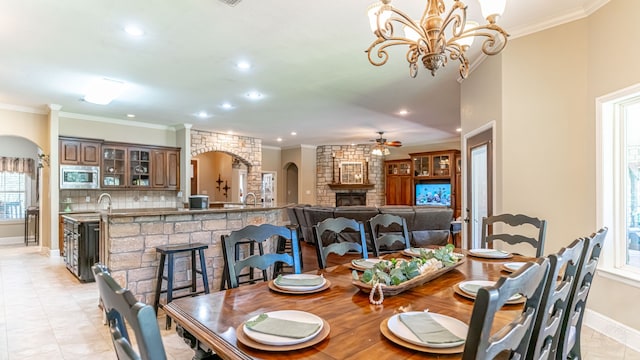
point(113, 166)
point(139, 168)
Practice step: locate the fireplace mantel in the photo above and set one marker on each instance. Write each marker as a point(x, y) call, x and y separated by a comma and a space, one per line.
point(336, 186)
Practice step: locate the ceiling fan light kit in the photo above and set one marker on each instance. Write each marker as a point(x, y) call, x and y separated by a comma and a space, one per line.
point(381, 147)
point(440, 35)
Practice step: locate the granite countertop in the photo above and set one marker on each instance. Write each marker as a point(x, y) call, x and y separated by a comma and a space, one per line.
point(228, 207)
point(83, 217)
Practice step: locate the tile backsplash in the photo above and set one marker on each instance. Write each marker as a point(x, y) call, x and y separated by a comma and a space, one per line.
point(87, 200)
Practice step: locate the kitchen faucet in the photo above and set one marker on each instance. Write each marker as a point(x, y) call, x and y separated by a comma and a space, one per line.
point(254, 198)
point(108, 196)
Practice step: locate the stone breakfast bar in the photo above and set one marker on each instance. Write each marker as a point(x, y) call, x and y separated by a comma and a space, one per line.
point(128, 241)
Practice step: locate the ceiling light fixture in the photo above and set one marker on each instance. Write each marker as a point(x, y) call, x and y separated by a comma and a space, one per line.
point(226, 106)
point(380, 150)
point(279, 139)
point(243, 65)
point(403, 112)
point(293, 133)
point(131, 115)
point(104, 91)
point(134, 30)
point(435, 37)
point(203, 115)
point(254, 95)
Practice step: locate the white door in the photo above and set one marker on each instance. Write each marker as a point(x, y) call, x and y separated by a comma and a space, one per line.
point(479, 182)
point(269, 187)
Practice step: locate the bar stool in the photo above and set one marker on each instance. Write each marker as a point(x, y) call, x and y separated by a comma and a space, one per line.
point(169, 251)
point(31, 212)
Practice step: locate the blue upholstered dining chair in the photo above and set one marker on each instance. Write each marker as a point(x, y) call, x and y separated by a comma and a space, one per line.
point(515, 222)
point(482, 343)
point(258, 234)
point(340, 230)
point(569, 344)
point(122, 310)
point(562, 274)
point(388, 233)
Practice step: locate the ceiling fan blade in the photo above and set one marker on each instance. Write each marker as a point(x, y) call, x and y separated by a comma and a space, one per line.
point(393, 143)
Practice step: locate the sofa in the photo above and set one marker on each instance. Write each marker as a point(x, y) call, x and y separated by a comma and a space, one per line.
point(426, 225)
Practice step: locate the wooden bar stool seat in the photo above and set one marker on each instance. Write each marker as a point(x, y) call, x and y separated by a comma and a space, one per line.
point(167, 253)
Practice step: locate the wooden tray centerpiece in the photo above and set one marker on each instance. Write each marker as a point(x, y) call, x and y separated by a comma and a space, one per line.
point(394, 276)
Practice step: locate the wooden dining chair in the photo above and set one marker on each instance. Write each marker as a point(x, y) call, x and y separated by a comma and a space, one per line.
point(337, 226)
point(258, 234)
point(123, 310)
point(515, 221)
point(569, 344)
point(388, 233)
point(481, 343)
point(563, 267)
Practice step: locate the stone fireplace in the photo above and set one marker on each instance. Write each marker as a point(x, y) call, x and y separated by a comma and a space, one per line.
point(351, 198)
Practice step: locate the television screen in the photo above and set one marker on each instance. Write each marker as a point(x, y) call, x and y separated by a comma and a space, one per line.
point(438, 194)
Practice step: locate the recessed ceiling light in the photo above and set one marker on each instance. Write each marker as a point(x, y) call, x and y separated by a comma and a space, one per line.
point(254, 95)
point(279, 139)
point(131, 115)
point(243, 65)
point(203, 115)
point(403, 112)
point(459, 129)
point(226, 106)
point(104, 91)
point(293, 133)
point(230, 132)
point(134, 30)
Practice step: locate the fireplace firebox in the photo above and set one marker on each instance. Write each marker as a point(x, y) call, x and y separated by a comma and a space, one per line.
point(351, 198)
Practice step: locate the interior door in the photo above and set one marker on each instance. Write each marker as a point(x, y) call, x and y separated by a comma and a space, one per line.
point(479, 180)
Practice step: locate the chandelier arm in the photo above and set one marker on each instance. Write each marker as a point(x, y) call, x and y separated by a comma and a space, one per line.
point(379, 47)
point(458, 20)
point(496, 38)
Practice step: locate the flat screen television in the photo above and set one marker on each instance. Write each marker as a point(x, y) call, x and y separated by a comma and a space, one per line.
point(434, 194)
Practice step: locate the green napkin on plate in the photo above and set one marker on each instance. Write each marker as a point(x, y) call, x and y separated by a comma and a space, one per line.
point(299, 281)
point(282, 327)
point(494, 253)
point(428, 330)
point(471, 288)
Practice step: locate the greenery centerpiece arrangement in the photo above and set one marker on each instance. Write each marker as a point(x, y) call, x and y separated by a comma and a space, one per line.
point(393, 276)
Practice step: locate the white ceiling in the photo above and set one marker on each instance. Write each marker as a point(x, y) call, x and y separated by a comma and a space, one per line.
point(308, 60)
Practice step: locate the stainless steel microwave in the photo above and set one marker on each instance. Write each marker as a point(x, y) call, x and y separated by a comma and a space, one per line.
point(79, 177)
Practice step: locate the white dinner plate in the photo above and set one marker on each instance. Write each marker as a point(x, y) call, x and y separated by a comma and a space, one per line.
point(365, 264)
point(415, 251)
point(513, 266)
point(300, 288)
point(490, 253)
point(471, 288)
point(293, 315)
point(457, 327)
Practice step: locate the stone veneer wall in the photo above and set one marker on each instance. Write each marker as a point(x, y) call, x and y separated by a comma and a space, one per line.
point(248, 150)
point(324, 160)
point(133, 260)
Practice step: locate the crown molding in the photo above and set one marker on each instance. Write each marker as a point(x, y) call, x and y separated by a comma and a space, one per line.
point(24, 109)
point(115, 121)
point(271, 147)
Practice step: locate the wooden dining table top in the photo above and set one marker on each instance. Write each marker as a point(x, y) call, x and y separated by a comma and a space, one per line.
point(355, 331)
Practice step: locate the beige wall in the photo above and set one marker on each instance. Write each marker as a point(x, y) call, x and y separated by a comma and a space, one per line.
point(305, 158)
point(210, 166)
point(121, 131)
point(545, 122)
point(271, 161)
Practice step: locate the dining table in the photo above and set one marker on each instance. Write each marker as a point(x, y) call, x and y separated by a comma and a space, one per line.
point(357, 329)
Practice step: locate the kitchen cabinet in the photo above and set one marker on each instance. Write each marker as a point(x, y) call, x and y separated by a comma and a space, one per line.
point(166, 168)
point(139, 167)
point(114, 166)
point(75, 151)
point(398, 182)
point(81, 247)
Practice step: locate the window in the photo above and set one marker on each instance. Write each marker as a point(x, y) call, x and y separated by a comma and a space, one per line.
point(618, 183)
point(13, 194)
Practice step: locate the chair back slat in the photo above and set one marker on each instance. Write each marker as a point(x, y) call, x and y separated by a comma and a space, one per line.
point(562, 273)
point(514, 221)
point(481, 343)
point(258, 234)
point(569, 344)
point(388, 240)
point(122, 310)
point(338, 226)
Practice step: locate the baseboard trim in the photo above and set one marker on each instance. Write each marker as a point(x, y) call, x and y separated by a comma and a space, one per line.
point(12, 240)
point(628, 336)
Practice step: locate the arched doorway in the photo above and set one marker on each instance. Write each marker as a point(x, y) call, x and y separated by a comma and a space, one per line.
point(291, 192)
point(219, 175)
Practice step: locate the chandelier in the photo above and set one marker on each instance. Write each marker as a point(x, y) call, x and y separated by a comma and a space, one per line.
point(436, 38)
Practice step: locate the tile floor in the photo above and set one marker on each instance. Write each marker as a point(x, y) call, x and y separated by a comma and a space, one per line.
point(45, 313)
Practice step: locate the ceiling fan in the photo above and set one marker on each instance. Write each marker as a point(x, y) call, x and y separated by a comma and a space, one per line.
point(381, 146)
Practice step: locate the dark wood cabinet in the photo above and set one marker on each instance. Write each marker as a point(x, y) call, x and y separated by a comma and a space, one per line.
point(436, 179)
point(173, 169)
point(398, 182)
point(79, 152)
point(166, 168)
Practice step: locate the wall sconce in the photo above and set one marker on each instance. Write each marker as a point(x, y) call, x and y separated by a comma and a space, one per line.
point(43, 159)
